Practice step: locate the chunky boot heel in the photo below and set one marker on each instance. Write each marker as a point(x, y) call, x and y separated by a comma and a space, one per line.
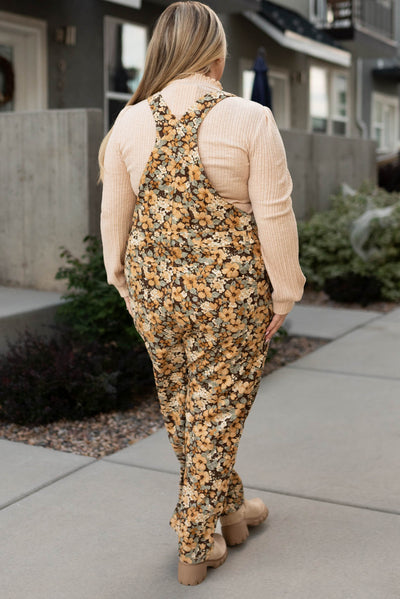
point(234, 534)
point(235, 525)
point(191, 574)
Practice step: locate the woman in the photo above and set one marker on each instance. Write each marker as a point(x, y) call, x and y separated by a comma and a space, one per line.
point(200, 239)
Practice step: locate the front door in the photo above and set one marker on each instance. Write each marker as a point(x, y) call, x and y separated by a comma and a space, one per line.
point(23, 52)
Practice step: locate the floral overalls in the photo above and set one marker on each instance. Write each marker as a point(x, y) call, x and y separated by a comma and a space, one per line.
point(201, 299)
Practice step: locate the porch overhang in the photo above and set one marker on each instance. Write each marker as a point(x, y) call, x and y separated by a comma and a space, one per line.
point(387, 73)
point(223, 6)
point(130, 3)
point(287, 35)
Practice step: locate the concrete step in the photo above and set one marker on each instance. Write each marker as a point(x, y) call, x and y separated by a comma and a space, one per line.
point(22, 309)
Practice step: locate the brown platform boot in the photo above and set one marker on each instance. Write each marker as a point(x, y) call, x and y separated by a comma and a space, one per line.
point(191, 574)
point(234, 525)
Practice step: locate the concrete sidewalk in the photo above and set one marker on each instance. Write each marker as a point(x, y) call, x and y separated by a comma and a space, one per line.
point(22, 309)
point(321, 446)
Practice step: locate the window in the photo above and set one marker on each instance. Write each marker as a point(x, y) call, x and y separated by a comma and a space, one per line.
point(339, 104)
point(125, 47)
point(318, 10)
point(279, 84)
point(328, 101)
point(319, 109)
point(384, 128)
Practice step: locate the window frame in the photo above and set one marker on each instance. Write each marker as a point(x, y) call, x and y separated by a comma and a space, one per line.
point(386, 100)
point(107, 94)
point(331, 74)
point(320, 17)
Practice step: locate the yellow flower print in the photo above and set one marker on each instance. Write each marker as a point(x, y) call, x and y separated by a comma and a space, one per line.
point(189, 280)
point(232, 295)
point(225, 314)
point(208, 307)
point(200, 430)
point(231, 270)
point(204, 218)
point(172, 167)
point(181, 320)
point(204, 194)
point(203, 291)
point(180, 183)
point(218, 285)
point(236, 326)
point(150, 196)
point(194, 172)
point(200, 294)
point(152, 278)
point(199, 462)
point(203, 477)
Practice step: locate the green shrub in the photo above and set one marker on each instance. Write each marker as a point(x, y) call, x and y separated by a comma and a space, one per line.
point(42, 380)
point(94, 310)
point(367, 264)
point(95, 362)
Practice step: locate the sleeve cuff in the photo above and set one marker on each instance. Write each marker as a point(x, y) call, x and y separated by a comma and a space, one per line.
point(282, 307)
point(123, 291)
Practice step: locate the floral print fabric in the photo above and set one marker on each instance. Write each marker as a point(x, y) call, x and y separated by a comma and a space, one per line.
point(201, 299)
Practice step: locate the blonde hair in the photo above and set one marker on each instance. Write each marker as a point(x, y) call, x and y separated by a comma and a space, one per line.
point(187, 39)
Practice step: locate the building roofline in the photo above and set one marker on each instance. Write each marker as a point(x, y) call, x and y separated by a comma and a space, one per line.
point(299, 43)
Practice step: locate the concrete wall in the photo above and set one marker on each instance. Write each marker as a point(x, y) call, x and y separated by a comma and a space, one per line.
point(50, 197)
point(48, 191)
point(320, 164)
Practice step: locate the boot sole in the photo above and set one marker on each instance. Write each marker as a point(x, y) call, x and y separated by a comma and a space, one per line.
point(192, 574)
point(235, 534)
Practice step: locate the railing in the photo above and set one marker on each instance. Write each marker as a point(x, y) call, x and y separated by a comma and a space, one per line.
point(376, 15)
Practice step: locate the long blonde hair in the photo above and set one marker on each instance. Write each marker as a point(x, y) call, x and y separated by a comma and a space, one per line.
point(187, 38)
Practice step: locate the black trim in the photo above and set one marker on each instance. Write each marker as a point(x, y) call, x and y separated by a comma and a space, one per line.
point(285, 18)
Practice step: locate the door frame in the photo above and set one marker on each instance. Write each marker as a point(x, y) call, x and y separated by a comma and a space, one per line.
point(31, 82)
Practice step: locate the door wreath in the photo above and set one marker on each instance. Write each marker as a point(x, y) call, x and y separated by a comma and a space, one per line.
point(6, 69)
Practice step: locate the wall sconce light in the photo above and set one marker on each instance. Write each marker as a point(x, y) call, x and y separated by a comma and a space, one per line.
point(297, 76)
point(66, 35)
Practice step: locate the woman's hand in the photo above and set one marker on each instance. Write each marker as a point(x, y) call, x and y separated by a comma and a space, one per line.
point(274, 326)
point(128, 305)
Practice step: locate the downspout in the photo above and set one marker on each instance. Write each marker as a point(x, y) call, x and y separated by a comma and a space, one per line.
point(362, 125)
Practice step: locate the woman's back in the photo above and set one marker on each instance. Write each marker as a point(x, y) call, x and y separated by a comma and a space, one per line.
point(225, 136)
point(243, 155)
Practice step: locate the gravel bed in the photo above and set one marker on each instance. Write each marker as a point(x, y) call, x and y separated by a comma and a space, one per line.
point(107, 433)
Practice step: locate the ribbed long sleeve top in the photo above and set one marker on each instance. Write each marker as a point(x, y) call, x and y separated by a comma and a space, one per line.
point(244, 157)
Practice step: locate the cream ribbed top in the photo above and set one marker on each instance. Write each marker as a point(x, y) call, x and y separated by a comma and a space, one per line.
point(244, 157)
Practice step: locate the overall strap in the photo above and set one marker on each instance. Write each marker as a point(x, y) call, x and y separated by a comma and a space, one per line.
point(194, 116)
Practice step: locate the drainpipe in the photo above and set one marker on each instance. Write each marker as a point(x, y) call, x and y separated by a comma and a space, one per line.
point(362, 125)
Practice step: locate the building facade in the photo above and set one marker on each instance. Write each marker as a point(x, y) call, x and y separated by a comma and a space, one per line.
point(334, 66)
point(68, 67)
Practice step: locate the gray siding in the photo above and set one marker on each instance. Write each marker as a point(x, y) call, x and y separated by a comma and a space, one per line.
point(83, 85)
